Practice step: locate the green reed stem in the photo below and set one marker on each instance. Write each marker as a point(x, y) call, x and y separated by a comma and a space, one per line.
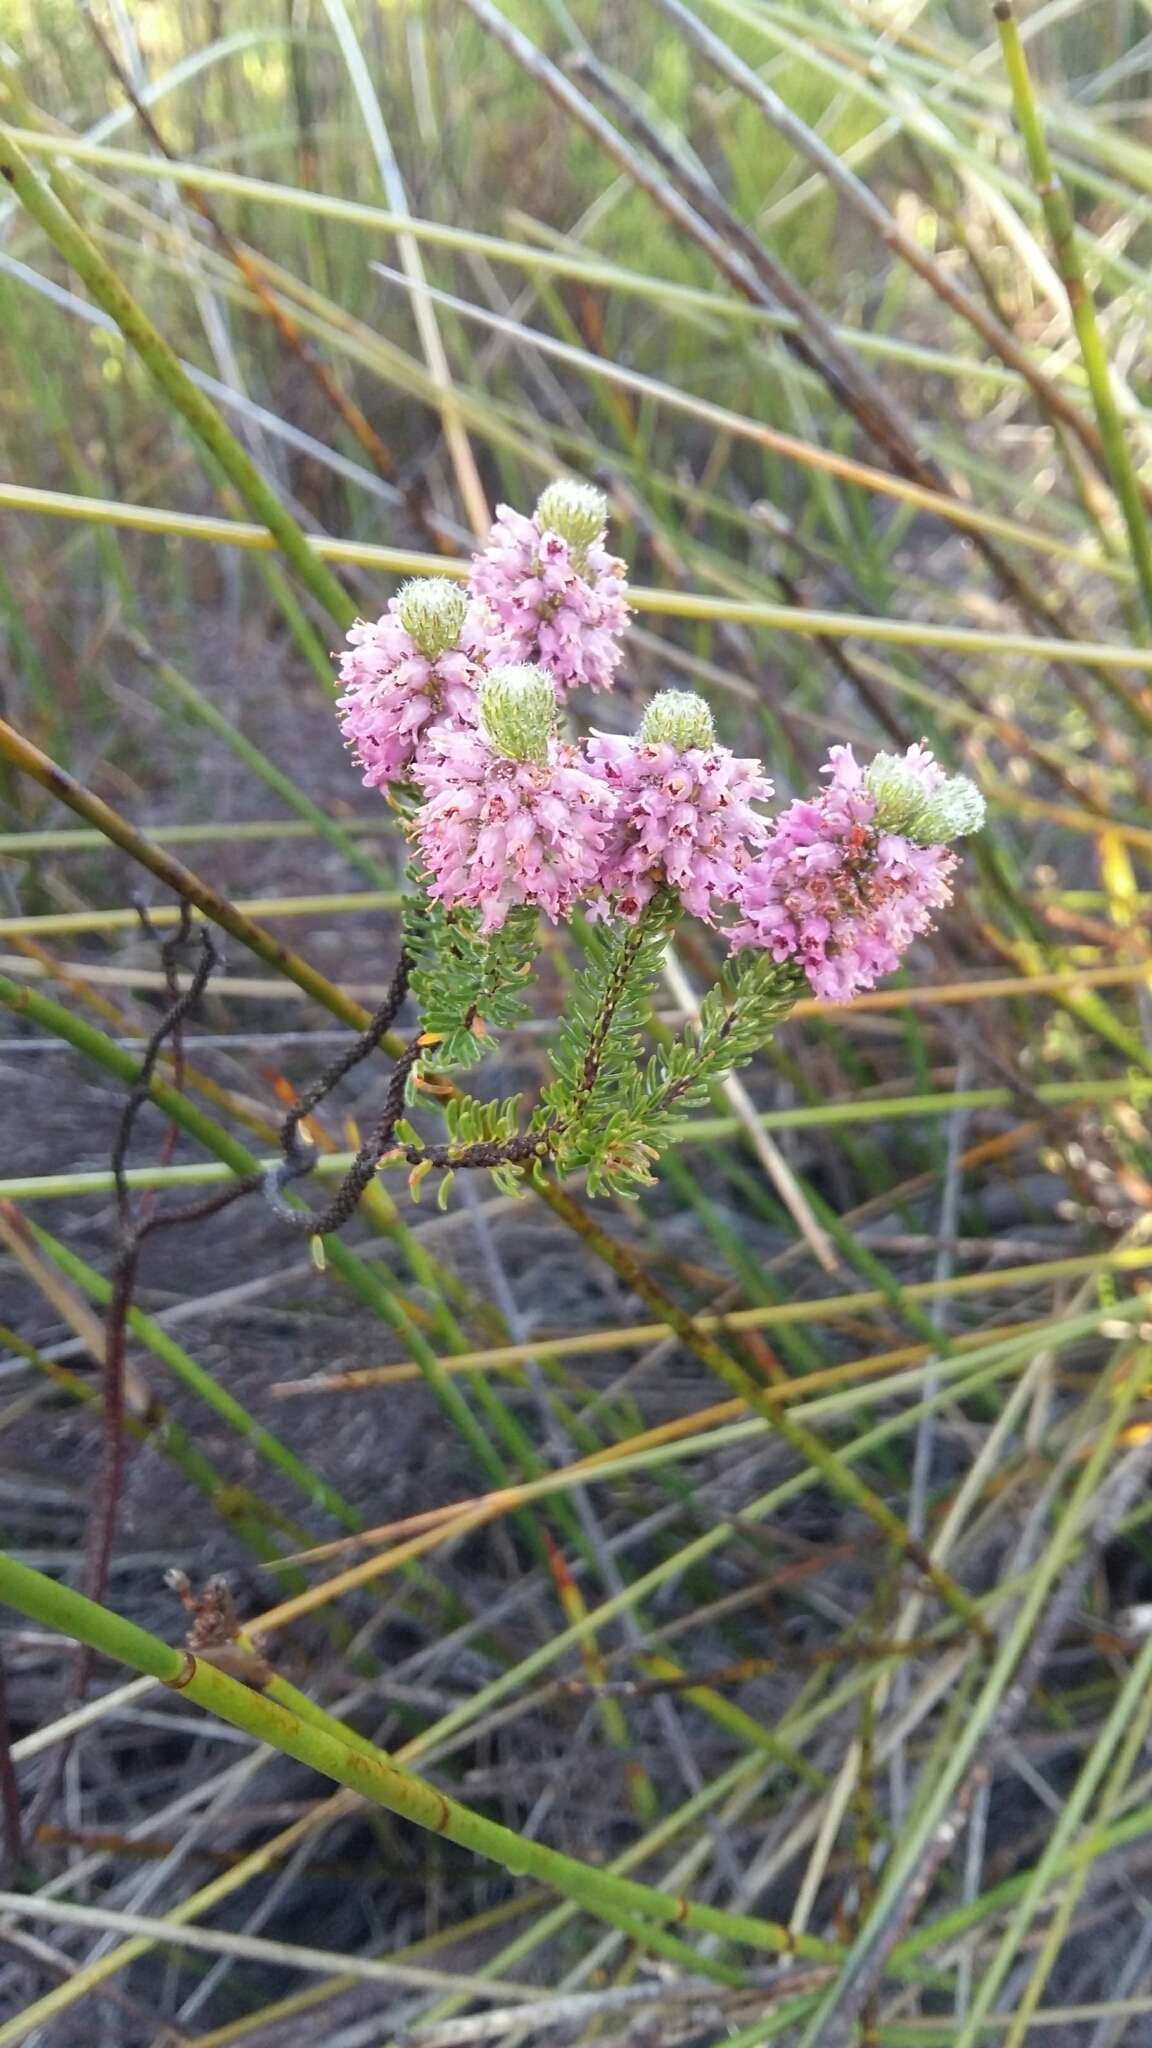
point(201, 1383)
point(679, 604)
point(1061, 223)
point(242, 1511)
point(167, 869)
point(53, 923)
point(804, 1441)
point(700, 1130)
point(274, 778)
point(370, 1774)
point(198, 412)
point(82, 838)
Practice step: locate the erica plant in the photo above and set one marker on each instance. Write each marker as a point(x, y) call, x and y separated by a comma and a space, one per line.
point(453, 700)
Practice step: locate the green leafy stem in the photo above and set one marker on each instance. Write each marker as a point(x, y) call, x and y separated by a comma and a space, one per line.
point(607, 1110)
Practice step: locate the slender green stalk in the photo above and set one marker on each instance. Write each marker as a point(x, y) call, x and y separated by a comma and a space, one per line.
point(1123, 1389)
point(257, 1861)
point(82, 838)
point(814, 1309)
point(304, 634)
point(804, 1441)
point(25, 998)
point(830, 1115)
point(203, 709)
point(681, 604)
point(214, 435)
point(1065, 244)
point(1128, 1701)
point(243, 1511)
point(371, 1775)
point(52, 923)
point(167, 869)
point(316, 1490)
point(736, 1721)
point(220, 531)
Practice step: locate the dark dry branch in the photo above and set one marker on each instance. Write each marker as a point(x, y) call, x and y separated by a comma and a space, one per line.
point(360, 1174)
point(170, 1027)
point(343, 1064)
point(210, 1205)
point(299, 1159)
point(492, 1152)
point(134, 1228)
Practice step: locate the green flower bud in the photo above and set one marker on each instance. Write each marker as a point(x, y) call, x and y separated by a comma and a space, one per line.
point(914, 799)
point(577, 512)
point(518, 710)
point(433, 610)
point(680, 719)
point(960, 807)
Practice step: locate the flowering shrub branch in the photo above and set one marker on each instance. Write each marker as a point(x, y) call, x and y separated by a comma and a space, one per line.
point(454, 701)
point(468, 987)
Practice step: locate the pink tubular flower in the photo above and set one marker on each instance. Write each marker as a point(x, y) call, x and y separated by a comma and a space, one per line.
point(511, 817)
point(555, 594)
point(403, 671)
point(684, 816)
point(835, 892)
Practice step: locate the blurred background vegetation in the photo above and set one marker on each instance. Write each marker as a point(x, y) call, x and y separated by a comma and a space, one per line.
point(798, 300)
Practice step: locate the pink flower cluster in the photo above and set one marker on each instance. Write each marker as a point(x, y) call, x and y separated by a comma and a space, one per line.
point(536, 594)
point(495, 832)
point(551, 601)
point(393, 693)
point(834, 892)
point(683, 817)
point(456, 690)
point(515, 816)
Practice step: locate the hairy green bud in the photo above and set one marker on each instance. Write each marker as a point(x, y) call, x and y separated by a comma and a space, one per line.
point(915, 799)
point(518, 710)
point(433, 610)
point(577, 512)
point(960, 807)
point(680, 719)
